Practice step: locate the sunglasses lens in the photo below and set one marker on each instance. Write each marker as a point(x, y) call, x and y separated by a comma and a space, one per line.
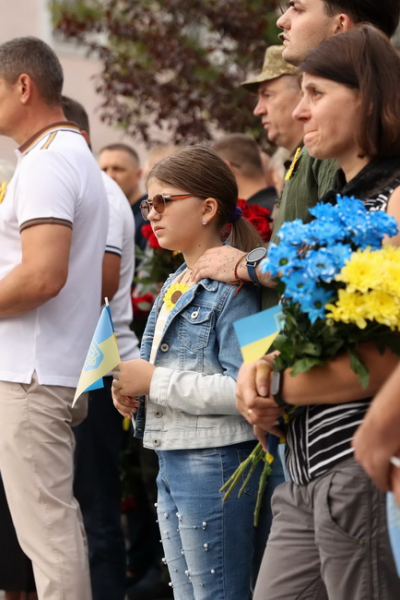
point(158, 203)
point(145, 209)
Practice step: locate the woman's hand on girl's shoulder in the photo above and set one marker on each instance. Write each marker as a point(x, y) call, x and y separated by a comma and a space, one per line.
point(219, 264)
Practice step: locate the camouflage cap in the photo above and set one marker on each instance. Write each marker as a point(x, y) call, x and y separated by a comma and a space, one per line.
point(274, 66)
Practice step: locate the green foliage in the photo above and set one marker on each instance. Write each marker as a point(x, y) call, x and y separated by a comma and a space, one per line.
point(156, 264)
point(171, 64)
point(304, 345)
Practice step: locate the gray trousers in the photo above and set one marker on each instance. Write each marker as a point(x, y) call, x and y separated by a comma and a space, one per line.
point(329, 541)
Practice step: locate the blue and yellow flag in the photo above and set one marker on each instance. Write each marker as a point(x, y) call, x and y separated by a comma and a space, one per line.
point(257, 333)
point(103, 355)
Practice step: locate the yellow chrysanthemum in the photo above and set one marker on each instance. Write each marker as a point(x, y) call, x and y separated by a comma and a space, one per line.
point(173, 293)
point(348, 309)
point(361, 272)
point(391, 278)
point(3, 188)
point(389, 252)
point(368, 270)
point(382, 308)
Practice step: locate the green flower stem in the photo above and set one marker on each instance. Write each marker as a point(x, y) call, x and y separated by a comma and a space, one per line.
point(261, 487)
point(234, 478)
point(252, 460)
point(254, 457)
point(248, 476)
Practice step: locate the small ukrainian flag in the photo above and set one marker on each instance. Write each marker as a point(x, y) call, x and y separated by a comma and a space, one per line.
point(257, 333)
point(103, 355)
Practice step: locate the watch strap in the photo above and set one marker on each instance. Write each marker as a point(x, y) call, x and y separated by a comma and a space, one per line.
point(251, 269)
point(276, 389)
point(252, 264)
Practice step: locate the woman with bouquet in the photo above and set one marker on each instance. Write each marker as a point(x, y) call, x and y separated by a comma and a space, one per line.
point(329, 535)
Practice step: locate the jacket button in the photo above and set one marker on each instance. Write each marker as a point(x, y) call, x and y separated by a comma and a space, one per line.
point(158, 414)
point(195, 314)
point(156, 442)
point(164, 347)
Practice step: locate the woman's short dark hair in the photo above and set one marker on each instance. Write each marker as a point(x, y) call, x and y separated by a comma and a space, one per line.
point(364, 59)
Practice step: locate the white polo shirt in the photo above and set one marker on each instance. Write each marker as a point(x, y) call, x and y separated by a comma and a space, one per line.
point(57, 181)
point(120, 241)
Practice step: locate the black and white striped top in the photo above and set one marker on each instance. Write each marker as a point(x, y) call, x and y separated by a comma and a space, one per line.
point(320, 435)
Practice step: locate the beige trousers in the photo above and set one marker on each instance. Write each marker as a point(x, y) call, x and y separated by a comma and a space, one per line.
point(36, 463)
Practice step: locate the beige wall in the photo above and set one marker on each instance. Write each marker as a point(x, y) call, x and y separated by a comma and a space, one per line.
point(31, 17)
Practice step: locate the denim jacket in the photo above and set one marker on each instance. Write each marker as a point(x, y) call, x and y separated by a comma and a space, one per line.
point(192, 402)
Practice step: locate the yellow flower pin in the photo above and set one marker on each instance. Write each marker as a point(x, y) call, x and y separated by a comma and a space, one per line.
point(3, 189)
point(173, 293)
point(292, 167)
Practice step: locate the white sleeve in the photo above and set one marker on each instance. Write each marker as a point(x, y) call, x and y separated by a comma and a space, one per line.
point(194, 393)
point(48, 189)
point(115, 233)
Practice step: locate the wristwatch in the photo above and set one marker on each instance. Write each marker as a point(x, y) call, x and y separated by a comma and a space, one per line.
point(276, 389)
point(253, 259)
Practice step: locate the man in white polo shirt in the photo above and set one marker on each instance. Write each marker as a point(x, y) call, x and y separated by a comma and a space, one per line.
point(53, 227)
point(99, 438)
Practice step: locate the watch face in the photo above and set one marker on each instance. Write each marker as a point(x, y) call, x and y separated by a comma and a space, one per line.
point(256, 255)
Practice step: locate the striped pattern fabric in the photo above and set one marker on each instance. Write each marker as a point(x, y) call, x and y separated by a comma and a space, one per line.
point(320, 436)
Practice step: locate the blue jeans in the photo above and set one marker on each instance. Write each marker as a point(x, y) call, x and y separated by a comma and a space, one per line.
point(209, 545)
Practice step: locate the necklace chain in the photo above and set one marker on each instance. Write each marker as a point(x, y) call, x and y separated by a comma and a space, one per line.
point(186, 275)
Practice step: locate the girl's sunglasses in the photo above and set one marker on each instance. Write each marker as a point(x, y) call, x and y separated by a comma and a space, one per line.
point(158, 203)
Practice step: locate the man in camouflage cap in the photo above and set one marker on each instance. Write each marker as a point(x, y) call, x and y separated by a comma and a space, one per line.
point(278, 93)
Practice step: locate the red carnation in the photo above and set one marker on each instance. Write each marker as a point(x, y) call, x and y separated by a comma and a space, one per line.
point(259, 217)
point(148, 233)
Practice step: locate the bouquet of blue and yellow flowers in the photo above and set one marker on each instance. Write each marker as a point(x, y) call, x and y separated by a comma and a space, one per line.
point(340, 287)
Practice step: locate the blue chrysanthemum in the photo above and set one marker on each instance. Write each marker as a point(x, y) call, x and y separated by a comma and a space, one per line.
point(282, 258)
point(298, 285)
point(377, 226)
point(351, 211)
point(326, 233)
point(295, 233)
point(314, 304)
point(339, 254)
point(321, 265)
point(324, 212)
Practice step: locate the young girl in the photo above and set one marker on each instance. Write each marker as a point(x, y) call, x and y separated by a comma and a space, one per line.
point(190, 359)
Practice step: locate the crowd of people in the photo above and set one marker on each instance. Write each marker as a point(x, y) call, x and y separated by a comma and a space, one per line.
point(328, 99)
